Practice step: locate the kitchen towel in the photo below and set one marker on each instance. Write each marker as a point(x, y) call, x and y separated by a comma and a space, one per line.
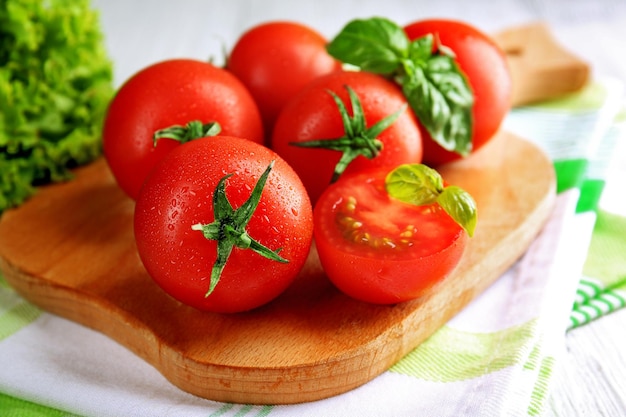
point(585, 134)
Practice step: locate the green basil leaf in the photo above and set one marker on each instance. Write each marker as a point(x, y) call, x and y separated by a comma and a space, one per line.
point(421, 49)
point(460, 205)
point(434, 85)
point(441, 98)
point(415, 184)
point(376, 45)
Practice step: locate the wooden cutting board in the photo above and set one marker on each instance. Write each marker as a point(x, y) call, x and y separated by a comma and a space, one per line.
point(541, 68)
point(70, 250)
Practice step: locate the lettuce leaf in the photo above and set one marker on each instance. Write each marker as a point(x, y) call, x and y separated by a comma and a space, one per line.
point(56, 81)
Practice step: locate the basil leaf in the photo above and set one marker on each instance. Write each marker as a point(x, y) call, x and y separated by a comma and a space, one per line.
point(415, 184)
point(434, 85)
point(418, 184)
point(441, 98)
point(375, 45)
point(460, 205)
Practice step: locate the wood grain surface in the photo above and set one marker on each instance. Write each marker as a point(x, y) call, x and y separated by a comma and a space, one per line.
point(70, 250)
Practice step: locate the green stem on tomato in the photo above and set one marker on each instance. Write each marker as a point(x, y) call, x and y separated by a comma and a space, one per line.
point(229, 227)
point(358, 138)
point(194, 129)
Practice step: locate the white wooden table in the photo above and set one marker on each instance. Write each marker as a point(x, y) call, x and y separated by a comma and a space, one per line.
point(591, 375)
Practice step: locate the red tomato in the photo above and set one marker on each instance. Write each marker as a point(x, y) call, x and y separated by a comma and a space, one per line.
point(378, 249)
point(172, 92)
point(486, 68)
point(312, 115)
point(179, 194)
point(275, 60)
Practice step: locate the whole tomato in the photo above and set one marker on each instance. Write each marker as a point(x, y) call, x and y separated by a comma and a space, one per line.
point(223, 224)
point(313, 115)
point(275, 60)
point(485, 66)
point(172, 93)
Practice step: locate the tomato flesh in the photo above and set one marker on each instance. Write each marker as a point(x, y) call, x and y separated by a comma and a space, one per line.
point(380, 250)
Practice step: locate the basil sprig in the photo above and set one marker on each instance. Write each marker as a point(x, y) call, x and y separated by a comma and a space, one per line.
point(434, 85)
point(419, 184)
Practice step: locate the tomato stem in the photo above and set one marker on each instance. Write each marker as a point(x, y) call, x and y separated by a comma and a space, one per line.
point(358, 139)
point(195, 129)
point(228, 227)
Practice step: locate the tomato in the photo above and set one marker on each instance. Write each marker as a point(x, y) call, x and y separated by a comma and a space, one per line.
point(172, 92)
point(313, 115)
point(275, 60)
point(379, 249)
point(485, 66)
point(177, 202)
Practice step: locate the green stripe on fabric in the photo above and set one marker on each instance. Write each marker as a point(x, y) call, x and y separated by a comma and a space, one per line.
point(454, 355)
point(590, 193)
point(587, 289)
point(243, 410)
point(533, 359)
point(17, 317)
point(604, 302)
point(265, 411)
point(16, 313)
point(606, 258)
point(540, 391)
point(222, 410)
point(15, 407)
point(577, 318)
point(569, 173)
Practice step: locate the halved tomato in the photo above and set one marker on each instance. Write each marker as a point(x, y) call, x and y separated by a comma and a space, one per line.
point(379, 249)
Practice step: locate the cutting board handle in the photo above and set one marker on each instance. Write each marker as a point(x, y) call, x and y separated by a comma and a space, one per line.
point(540, 67)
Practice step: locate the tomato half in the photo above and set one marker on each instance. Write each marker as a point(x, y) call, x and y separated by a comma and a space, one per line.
point(178, 194)
point(312, 115)
point(378, 249)
point(486, 68)
point(168, 93)
point(275, 60)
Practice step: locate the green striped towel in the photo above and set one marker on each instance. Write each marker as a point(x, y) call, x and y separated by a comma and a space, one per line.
point(585, 133)
point(602, 289)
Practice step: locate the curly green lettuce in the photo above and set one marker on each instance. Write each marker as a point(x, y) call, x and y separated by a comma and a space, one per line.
point(56, 81)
